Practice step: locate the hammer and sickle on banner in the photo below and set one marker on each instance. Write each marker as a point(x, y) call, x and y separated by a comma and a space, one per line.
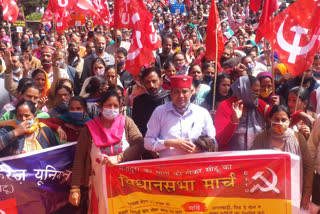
point(294, 49)
point(270, 186)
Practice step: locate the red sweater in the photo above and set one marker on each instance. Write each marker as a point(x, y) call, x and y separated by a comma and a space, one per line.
point(225, 128)
point(72, 131)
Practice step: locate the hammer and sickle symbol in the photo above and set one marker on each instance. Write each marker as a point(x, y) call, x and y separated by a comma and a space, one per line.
point(294, 49)
point(270, 186)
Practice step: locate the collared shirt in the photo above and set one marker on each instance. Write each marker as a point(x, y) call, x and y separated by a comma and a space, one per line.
point(166, 123)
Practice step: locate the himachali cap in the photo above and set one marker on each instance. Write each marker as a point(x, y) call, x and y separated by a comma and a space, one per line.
point(181, 81)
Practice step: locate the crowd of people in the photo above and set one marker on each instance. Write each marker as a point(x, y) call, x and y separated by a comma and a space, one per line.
point(64, 88)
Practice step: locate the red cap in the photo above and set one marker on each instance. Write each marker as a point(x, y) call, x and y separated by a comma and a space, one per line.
point(181, 81)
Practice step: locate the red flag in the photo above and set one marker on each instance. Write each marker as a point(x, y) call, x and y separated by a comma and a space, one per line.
point(294, 33)
point(48, 14)
point(255, 5)
point(269, 6)
point(59, 6)
point(10, 10)
point(133, 14)
point(102, 8)
point(214, 27)
point(85, 7)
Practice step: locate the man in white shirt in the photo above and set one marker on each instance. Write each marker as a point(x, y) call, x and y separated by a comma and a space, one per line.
point(174, 126)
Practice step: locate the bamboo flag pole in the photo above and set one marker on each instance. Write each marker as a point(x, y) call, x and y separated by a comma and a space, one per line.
point(215, 74)
point(116, 54)
point(9, 31)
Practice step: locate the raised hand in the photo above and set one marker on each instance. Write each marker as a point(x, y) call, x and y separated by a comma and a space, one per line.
point(237, 108)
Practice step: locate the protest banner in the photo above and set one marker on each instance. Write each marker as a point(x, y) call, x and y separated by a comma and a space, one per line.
point(36, 182)
point(226, 182)
point(177, 8)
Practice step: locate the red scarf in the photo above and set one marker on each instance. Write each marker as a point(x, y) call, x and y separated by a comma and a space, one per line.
point(102, 136)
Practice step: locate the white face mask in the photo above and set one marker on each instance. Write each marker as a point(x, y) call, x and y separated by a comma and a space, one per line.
point(110, 114)
point(16, 71)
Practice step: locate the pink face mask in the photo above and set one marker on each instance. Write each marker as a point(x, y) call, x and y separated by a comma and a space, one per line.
point(99, 73)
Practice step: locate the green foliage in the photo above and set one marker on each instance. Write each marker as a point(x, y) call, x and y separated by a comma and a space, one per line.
point(34, 17)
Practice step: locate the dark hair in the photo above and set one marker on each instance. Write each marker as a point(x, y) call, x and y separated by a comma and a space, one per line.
point(123, 51)
point(37, 71)
point(107, 94)
point(317, 56)
point(25, 45)
point(207, 65)
point(303, 93)
point(73, 44)
point(209, 97)
point(167, 64)
point(42, 40)
point(110, 67)
point(233, 61)
point(99, 60)
point(148, 71)
point(177, 53)
point(30, 104)
point(95, 84)
point(81, 100)
point(62, 87)
point(165, 39)
point(245, 57)
point(61, 81)
point(194, 65)
point(279, 108)
point(23, 82)
point(27, 86)
point(252, 79)
point(115, 88)
point(19, 55)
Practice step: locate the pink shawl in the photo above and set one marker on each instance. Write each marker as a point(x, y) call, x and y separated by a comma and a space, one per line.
point(103, 137)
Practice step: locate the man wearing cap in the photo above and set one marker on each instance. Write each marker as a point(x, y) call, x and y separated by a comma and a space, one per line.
point(174, 126)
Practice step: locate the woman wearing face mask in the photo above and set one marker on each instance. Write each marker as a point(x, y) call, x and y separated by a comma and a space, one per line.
point(265, 79)
point(281, 137)
point(106, 140)
point(68, 125)
point(300, 105)
point(200, 90)
point(208, 71)
point(62, 96)
point(179, 61)
point(98, 68)
point(169, 71)
point(26, 134)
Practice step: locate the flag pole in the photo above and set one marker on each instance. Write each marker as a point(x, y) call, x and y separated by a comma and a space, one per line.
point(9, 29)
point(116, 54)
point(215, 74)
point(273, 76)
